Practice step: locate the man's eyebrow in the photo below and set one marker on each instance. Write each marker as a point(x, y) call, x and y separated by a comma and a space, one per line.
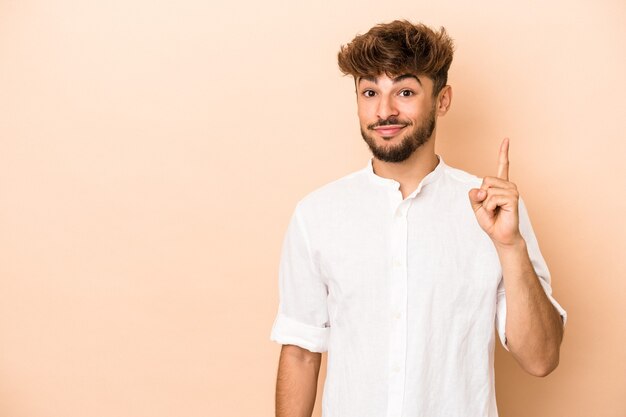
point(395, 80)
point(404, 77)
point(368, 78)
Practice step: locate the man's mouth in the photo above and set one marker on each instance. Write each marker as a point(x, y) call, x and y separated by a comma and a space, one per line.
point(389, 130)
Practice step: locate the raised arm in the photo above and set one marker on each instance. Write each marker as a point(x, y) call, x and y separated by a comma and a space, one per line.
point(534, 328)
point(296, 383)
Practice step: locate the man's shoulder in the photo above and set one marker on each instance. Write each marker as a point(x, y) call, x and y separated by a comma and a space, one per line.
point(347, 186)
point(462, 178)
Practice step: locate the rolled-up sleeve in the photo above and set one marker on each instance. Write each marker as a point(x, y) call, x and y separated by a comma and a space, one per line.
point(540, 267)
point(302, 317)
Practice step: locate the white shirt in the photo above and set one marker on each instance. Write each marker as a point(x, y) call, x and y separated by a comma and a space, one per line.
point(402, 293)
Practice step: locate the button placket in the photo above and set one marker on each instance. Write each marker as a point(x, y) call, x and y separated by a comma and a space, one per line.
point(398, 294)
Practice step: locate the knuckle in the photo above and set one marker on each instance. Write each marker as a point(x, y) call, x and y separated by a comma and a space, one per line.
point(487, 182)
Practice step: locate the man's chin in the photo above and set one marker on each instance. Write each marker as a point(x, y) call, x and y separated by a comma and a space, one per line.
point(392, 153)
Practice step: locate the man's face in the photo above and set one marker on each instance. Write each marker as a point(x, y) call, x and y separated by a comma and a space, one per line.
point(397, 115)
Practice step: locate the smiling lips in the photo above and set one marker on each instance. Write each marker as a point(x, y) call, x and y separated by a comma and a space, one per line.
point(389, 130)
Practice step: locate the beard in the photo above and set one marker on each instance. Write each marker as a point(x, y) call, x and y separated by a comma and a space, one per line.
point(409, 143)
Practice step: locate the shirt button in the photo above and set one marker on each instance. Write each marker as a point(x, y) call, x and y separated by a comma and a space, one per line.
point(399, 213)
point(396, 262)
point(397, 316)
point(396, 368)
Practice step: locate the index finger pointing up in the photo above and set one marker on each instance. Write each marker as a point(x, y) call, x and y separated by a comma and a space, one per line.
point(503, 161)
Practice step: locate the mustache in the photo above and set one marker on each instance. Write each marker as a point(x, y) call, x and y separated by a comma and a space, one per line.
point(390, 121)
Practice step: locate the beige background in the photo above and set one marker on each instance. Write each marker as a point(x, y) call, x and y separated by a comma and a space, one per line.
point(151, 154)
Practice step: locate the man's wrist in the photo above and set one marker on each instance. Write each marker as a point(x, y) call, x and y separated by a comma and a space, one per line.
point(517, 245)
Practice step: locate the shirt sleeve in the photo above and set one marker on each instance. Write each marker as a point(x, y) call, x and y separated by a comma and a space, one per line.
point(541, 269)
point(302, 317)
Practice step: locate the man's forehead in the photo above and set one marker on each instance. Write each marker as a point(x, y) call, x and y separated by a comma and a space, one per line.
point(394, 79)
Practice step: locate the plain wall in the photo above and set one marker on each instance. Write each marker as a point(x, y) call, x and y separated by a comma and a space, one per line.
point(151, 154)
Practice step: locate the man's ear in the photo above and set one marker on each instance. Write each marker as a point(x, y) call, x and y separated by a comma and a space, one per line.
point(444, 99)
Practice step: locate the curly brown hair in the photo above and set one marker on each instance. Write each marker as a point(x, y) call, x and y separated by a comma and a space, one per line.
point(398, 48)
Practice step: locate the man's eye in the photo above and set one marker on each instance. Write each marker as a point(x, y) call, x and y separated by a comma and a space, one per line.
point(406, 93)
point(368, 93)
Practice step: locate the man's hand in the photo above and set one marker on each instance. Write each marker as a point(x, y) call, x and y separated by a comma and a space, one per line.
point(533, 328)
point(495, 203)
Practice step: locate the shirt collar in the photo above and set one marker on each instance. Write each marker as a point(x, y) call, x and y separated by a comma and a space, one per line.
point(389, 182)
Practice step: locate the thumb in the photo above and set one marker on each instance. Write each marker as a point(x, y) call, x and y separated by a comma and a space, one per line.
point(476, 196)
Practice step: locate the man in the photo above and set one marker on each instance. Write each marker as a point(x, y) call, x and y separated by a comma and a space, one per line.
point(401, 269)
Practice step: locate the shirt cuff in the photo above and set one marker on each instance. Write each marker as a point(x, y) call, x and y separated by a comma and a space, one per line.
point(501, 319)
point(287, 331)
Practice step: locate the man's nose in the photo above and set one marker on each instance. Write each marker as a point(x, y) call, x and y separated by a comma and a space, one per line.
point(386, 108)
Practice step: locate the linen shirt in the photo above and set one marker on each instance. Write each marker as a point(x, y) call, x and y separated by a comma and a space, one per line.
point(403, 294)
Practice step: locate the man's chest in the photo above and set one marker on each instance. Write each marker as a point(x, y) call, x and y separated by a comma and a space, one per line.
point(437, 255)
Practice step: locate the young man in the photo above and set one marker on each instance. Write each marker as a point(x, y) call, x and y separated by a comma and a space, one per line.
point(400, 270)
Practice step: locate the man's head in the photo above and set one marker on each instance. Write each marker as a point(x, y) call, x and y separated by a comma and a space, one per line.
point(400, 72)
point(398, 48)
